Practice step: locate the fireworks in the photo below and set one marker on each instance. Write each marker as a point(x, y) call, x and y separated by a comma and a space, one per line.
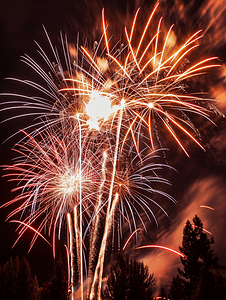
point(90, 159)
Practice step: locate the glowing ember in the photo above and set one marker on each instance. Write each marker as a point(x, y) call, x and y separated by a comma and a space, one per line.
point(99, 107)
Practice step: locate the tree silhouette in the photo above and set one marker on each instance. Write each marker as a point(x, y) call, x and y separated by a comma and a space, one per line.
point(45, 291)
point(162, 293)
point(58, 288)
point(129, 279)
point(201, 270)
point(177, 288)
point(17, 282)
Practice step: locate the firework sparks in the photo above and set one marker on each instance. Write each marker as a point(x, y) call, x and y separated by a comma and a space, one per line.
point(87, 158)
point(50, 176)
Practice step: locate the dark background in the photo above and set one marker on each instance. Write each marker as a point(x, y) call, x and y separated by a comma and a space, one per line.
point(200, 179)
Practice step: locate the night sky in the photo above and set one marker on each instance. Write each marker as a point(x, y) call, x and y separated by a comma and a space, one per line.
point(199, 180)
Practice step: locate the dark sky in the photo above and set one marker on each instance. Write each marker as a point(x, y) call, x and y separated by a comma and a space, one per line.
point(200, 179)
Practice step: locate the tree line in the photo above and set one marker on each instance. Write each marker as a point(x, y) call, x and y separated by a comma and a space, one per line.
point(200, 277)
point(18, 283)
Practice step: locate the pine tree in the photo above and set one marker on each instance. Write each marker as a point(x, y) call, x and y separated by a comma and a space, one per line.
point(177, 288)
point(199, 258)
point(116, 286)
point(28, 285)
point(9, 280)
point(162, 293)
point(197, 280)
point(17, 282)
point(58, 289)
point(129, 279)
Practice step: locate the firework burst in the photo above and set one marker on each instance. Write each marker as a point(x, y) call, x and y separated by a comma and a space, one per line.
point(87, 161)
point(49, 176)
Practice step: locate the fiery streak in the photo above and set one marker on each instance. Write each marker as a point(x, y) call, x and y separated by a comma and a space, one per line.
point(30, 227)
point(99, 268)
point(68, 267)
point(129, 238)
point(161, 247)
point(109, 215)
point(71, 253)
point(205, 206)
point(105, 32)
point(146, 27)
point(96, 222)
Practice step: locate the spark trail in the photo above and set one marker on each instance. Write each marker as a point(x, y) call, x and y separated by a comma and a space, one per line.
point(161, 247)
